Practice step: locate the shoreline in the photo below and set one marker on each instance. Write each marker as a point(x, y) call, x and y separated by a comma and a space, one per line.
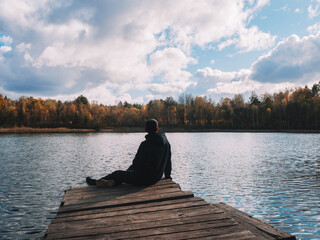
point(44, 130)
point(138, 130)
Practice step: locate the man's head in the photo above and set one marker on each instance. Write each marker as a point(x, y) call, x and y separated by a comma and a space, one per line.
point(152, 126)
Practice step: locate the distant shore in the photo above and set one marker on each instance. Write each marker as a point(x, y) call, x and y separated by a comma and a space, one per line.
point(44, 130)
point(138, 129)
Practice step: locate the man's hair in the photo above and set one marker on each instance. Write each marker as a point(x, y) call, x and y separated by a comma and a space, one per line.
point(151, 125)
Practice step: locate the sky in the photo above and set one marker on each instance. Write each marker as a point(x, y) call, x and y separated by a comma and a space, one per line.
point(140, 50)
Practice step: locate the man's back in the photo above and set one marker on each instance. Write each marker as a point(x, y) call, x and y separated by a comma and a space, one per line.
point(153, 158)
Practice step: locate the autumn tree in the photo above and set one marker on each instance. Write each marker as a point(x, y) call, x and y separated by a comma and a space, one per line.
point(290, 109)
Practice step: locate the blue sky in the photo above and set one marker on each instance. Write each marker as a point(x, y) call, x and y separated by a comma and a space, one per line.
point(140, 50)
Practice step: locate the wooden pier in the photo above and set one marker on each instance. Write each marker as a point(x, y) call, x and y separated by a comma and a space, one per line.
point(161, 211)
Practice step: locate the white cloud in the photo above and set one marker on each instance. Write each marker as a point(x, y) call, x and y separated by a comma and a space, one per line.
point(65, 47)
point(128, 98)
point(170, 88)
point(293, 62)
point(216, 75)
point(261, 3)
point(284, 8)
point(227, 43)
point(170, 62)
point(313, 11)
point(249, 40)
point(314, 29)
point(254, 39)
point(103, 95)
point(238, 87)
point(4, 49)
point(23, 47)
point(206, 21)
point(212, 80)
point(6, 40)
point(297, 10)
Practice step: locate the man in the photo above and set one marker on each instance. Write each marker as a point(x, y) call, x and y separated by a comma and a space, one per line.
point(152, 160)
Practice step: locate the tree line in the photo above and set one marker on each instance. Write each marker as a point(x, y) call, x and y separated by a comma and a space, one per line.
point(291, 109)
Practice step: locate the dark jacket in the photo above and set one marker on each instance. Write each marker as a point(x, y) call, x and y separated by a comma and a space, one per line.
point(153, 159)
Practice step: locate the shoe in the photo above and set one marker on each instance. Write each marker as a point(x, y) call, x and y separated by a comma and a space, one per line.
point(91, 181)
point(105, 183)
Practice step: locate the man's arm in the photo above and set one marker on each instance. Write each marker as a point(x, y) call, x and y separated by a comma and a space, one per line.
point(167, 171)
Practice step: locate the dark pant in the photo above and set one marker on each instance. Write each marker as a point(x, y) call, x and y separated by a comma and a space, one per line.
point(128, 176)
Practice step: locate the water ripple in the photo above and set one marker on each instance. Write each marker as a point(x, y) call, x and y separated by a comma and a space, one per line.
point(272, 176)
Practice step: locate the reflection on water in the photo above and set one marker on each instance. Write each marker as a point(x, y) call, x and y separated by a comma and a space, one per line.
point(272, 176)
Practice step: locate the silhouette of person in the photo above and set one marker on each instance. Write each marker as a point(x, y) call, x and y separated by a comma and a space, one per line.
point(152, 160)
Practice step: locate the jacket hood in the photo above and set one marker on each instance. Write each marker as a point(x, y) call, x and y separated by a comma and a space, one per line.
point(156, 138)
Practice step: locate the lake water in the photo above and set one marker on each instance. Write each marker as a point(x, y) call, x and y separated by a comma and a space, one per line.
point(271, 176)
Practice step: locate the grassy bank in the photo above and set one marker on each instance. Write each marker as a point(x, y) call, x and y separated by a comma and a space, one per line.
point(139, 129)
point(43, 130)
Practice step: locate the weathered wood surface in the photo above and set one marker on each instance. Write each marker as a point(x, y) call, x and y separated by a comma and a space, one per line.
point(161, 211)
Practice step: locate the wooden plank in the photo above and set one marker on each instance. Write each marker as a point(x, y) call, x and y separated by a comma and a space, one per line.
point(124, 201)
point(130, 197)
point(128, 207)
point(135, 223)
point(113, 192)
point(130, 194)
point(254, 224)
point(163, 182)
point(218, 234)
point(139, 218)
point(197, 231)
point(98, 191)
point(74, 193)
point(123, 189)
point(232, 236)
point(129, 210)
point(95, 190)
point(153, 228)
